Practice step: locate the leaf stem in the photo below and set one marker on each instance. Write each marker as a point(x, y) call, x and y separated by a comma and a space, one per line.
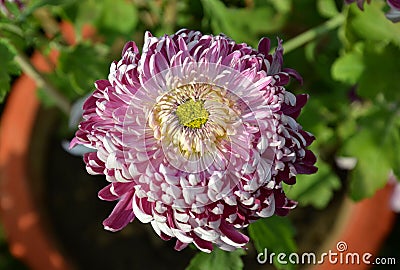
point(60, 101)
point(12, 29)
point(311, 34)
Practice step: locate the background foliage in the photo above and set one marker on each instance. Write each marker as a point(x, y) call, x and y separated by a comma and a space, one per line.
point(350, 71)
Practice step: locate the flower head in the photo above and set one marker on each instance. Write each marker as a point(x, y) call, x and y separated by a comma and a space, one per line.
point(196, 135)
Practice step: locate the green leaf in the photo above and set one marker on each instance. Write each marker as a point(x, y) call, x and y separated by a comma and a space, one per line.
point(83, 65)
point(7, 68)
point(217, 260)
point(371, 24)
point(276, 234)
point(316, 189)
point(230, 21)
point(87, 12)
point(327, 8)
point(376, 147)
point(349, 67)
point(36, 4)
point(381, 72)
point(372, 167)
point(282, 6)
point(12, 9)
point(373, 66)
point(118, 15)
point(112, 18)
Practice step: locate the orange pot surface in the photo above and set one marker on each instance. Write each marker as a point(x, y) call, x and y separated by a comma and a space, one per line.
point(24, 227)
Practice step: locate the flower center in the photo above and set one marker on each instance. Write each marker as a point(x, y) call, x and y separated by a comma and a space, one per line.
point(192, 113)
point(193, 124)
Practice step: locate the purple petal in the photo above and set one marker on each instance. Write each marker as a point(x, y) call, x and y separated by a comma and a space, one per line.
point(233, 234)
point(121, 215)
point(264, 46)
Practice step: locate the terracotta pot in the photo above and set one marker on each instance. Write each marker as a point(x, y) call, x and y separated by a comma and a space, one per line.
point(361, 228)
point(24, 225)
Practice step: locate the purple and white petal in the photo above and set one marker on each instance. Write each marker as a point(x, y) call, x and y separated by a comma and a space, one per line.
point(196, 135)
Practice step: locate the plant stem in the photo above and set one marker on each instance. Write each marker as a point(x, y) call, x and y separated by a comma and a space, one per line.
point(12, 29)
point(311, 34)
point(60, 101)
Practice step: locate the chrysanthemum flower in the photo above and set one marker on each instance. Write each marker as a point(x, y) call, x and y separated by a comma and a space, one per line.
point(394, 12)
point(196, 135)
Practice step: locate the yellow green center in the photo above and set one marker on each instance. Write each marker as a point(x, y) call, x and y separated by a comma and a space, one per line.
point(192, 113)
